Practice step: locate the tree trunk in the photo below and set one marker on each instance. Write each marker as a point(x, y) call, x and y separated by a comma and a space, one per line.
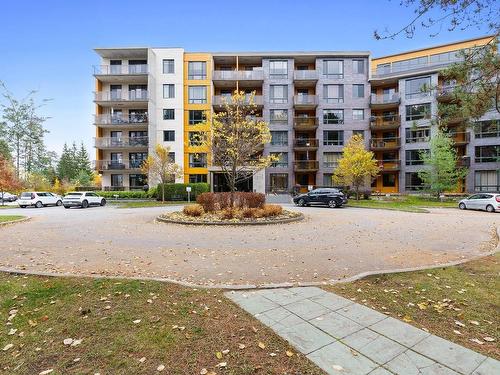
point(357, 193)
point(162, 192)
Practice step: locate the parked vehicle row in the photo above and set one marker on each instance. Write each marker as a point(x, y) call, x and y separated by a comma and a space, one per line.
point(326, 196)
point(484, 201)
point(41, 199)
point(7, 197)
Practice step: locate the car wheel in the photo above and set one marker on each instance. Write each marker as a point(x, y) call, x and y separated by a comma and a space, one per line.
point(66, 206)
point(490, 208)
point(38, 204)
point(332, 203)
point(462, 206)
point(59, 203)
point(22, 206)
point(103, 202)
point(85, 204)
point(301, 202)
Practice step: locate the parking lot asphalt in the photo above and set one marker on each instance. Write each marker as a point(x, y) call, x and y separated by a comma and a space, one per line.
point(329, 245)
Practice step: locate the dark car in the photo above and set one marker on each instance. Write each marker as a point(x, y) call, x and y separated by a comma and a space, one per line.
point(325, 196)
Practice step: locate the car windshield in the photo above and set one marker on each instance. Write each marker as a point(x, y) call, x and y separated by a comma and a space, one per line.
point(73, 194)
point(26, 195)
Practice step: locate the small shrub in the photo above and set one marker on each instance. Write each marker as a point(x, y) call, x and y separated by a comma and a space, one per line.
point(228, 213)
point(223, 200)
point(174, 191)
point(194, 210)
point(252, 200)
point(207, 201)
point(251, 213)
point(269, 210)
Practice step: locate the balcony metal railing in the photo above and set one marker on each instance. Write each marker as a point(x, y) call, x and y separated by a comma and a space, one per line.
point(114, 119)
point(385, 143)
point(119, 95)
point(305, 100)
point(238, 75)
point(330, 164)
point(418, 139)
point(389, 165)
point(221, 100)
point(385, 99)
point(388, 70)
point(304, 75)
point(306, 165)
point(305, 122)
point(122, 142)
point(385, 122)
point(306, 143)
point(120, 69)
point(106, 165)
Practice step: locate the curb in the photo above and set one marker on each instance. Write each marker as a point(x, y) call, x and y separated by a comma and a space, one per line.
point(15, 221)
point(280, 221)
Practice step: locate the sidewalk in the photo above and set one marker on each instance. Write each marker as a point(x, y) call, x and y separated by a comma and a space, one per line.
point(344, 337)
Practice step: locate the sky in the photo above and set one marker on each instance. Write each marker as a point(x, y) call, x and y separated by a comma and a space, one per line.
point(47, 45)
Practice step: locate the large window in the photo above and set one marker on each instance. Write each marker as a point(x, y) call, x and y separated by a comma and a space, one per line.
point(196, 178)
point(333, 137)
point(413, 181)
point(333, 116)
point(358, 66)
point(417, 87)
point(487, 129)
point(333, 93)
point(169, 136)
point(278, 68)
point(358, 114)
point(280, 159)
point(446, 57)
point(278, 182)
point(415, 135)
point(197, 94)
point(331, 159)
point(333, 68)
point(487, 181)
point(278, 94)
point(197, 70)
point(116, 180)
point(169, 91)
point(488, 154)
point(196, 117)
point(414, 157)
point(388, 180)
point(168, 66)
point(358, 91)
point(328, 179)
point(404, 65)
point(418, 112)
point(198, 160)
point(279, 138)
point(196, 138)
point(137, 158)
point(278, 115)
point(169, 114)
point(137, 181)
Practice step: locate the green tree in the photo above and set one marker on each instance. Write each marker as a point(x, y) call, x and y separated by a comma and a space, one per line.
point(65, 165)
point(83, 160)
point(4, 150)
point(441, 172)
point(356, 166)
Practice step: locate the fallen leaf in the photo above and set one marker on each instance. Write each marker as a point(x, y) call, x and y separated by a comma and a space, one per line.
point(218, 355)
point(137, 321)
point(142, 360)
point(68, 341)
point(160, 368)
point(475, 322)
point(289, 353)
point(222, 364)
point(45, 372)
point(338, 368)
point(477, 341)
point(262, 345)
point(459, 323)
point(407, 319)
point(489, 339)
point(241, 346)
point(7, 347)
point(203, 371)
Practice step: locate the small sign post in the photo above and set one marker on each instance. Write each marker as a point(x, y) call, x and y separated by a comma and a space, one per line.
point(188, 189)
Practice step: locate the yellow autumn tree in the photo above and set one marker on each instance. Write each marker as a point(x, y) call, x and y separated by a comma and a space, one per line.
point(161, 167)
point(356, 166)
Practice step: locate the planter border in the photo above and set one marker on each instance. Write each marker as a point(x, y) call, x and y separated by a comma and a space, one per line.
point(26, 218)
point(222, 223)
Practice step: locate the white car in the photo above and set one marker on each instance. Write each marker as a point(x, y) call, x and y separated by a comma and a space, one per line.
point(481, 201)
point(39, 199)
point(82, 199)
point(7, 197)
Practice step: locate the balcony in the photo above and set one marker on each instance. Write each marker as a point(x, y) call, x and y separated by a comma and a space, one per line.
point(220, 100)
point(305, 101)
point(389, 165)
point(445, 93)
point(305, 144)
point(117, 165)
point(225, 77)
point(305, 123)
point(306, 166)
point(385, 101)
point(123, 142)
point(305, 78)
point(135, 73)
point(393, 71)
point(119, 97)
point(385, 143)
point(460, 138)
point(121, 120)
point(385, 122)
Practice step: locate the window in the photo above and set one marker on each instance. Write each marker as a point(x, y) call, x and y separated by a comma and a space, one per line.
point(333, 68)
point(115, 67)
point(358, 91)
point(487, 129)
point(487, 181)
point(169, 91)
point(137, 158)
point(198, 160)
point(279, 138)
point(196, 138)
point(281, 159)
point(358, 66)
point(278, 115)
point(197, 70)
point(488, 154)
point(168, 114)
point(278, 68)
point(333, 116)
point(413, 181)
point(327, 179)
point(137, 181)
point(116, 180)
point(197, 178)
point(388, 180)
point(333, 93)
point(171, 156)
point(197, 94)
point(414, 157)
point(138, 92)
point(418, 112)
point(279, 182)
point(169, 136)
point(409, 64)
point(278, 94)
point(168, 66)
point(417, 135)
point(197, 117)
point(417, 87)
point(446, 57)
point(331, 159)
point(358, 114)
point(137, 66)
point(333, 137)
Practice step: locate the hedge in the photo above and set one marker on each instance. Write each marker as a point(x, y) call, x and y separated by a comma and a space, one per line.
point(178, 191)
point(132, 194)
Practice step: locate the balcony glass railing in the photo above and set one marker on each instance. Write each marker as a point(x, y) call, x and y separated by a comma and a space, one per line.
point(385, 99)
point(116, 142)
point(385, 121)
point(114, 119)
point(237, 75)
point(305, 99)
point(302, 75)
point(306, 143)
point(306, 165)
point(305, 122)
point(119, 95)
point(385, 142)
point(389, 164)
point(120, 69)
point(221, 100)
point(393, 69)
point(105, 165)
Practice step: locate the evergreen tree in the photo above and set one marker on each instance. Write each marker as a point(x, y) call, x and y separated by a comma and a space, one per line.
point(65, 167)
point(84, 160)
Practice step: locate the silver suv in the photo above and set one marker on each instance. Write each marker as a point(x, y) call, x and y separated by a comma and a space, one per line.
point(83, 199)
point(481, 201)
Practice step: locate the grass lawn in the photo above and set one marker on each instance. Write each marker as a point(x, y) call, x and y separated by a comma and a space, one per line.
point(404, 203)
point(460, 303)
point(133, 327)
point(139, 204)
point(4, 218)
point(7, 206)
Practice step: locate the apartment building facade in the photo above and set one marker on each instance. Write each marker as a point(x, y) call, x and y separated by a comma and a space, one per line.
point(313, 101)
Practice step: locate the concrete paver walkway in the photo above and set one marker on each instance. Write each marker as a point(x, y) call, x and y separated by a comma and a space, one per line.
point(343, 337)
